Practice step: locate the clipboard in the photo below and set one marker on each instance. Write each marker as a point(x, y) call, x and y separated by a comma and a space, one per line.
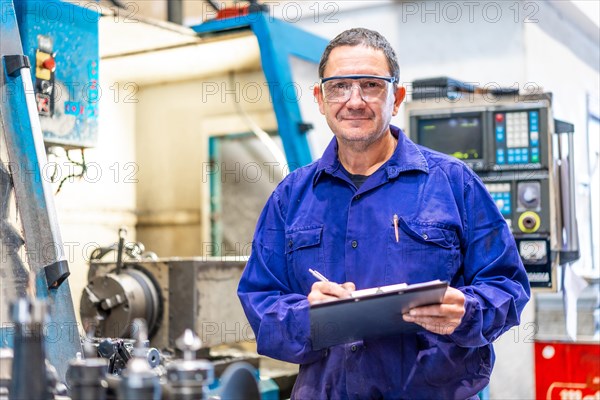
point(372, 315)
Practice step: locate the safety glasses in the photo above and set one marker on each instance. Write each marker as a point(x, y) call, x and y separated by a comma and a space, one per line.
point(338, 89)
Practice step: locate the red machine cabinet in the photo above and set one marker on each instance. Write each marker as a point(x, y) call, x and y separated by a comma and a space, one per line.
point(567, 370)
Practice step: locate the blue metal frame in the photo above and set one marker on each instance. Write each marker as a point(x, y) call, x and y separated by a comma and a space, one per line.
point(25, 144)
point(278, 41)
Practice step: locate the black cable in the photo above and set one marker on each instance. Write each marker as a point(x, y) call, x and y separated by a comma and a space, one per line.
point(79, 175)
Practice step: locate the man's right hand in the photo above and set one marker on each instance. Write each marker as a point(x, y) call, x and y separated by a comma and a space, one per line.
point(327, 291)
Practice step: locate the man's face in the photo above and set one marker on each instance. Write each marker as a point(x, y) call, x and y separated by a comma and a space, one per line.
point(358, 122)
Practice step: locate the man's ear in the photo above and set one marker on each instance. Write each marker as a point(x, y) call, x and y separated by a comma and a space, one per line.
point(398, 97)
point(319, 97)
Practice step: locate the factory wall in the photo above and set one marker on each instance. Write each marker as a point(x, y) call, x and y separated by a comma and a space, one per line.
point(174, 123)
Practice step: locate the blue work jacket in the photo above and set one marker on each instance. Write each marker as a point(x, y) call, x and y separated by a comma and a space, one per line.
point(449, 229)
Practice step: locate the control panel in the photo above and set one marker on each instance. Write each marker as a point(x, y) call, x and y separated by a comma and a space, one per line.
point(524, 203)
point(517, 137)
point(501, 193)
point(61, 41)
point(509, 144)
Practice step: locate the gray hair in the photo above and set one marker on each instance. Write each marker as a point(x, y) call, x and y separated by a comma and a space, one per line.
point(364, 37)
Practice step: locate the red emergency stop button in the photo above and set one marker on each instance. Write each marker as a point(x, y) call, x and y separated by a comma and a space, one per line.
point(49, 63)
point(499, 117)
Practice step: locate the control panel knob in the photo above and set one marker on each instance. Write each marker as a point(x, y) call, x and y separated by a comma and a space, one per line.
point(529, 222)
point(530, 195)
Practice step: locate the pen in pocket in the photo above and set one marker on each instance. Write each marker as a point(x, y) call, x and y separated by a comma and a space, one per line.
point(395, 219)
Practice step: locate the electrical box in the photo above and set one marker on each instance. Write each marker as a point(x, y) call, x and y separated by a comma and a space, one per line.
point(61, 41)
point(508, 142)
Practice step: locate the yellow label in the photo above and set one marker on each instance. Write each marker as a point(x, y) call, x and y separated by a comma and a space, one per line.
point(40, 71)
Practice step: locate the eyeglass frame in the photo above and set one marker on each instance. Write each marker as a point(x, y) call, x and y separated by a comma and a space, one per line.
point(388, 79)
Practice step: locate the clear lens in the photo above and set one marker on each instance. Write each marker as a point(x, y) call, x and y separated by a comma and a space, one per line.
point(339, 90)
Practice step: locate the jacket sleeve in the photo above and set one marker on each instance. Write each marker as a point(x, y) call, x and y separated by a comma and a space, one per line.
point(496, 284)
point(279, 317)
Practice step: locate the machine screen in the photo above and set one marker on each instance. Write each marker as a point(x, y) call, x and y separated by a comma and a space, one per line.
point(460, 136)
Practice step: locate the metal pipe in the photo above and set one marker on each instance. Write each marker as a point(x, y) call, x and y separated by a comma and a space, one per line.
point(591, 169)
point(565, 174)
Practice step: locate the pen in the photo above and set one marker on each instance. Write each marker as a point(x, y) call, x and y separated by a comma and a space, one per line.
point(396, 227)
point(318, 275)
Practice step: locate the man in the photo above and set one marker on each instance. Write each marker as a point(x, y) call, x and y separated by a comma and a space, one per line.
point(340, 215)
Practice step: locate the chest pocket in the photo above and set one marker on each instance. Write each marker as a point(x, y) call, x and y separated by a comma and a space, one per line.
point(429, 234)
point(423, 252)
point(304, 250)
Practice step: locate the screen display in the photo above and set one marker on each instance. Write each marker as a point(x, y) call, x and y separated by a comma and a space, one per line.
point(460, 136)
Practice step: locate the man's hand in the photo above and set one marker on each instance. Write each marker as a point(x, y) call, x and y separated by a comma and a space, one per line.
point(442, 318)
point(325, 291)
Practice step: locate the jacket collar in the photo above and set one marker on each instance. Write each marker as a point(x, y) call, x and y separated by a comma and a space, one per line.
point(406, 157)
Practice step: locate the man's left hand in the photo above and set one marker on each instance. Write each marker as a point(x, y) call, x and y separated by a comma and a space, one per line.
point(442, 318)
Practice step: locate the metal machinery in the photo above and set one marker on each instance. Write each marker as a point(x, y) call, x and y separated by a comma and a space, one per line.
point(174, 296)
point(525, 158)
point(49, 88)
point(43, 333)
point(522, 154)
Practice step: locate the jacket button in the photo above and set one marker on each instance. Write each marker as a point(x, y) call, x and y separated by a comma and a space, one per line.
point(357, 197)
point(290, 244)
point(425, 236)
point(354, 244)
point(353, 348)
